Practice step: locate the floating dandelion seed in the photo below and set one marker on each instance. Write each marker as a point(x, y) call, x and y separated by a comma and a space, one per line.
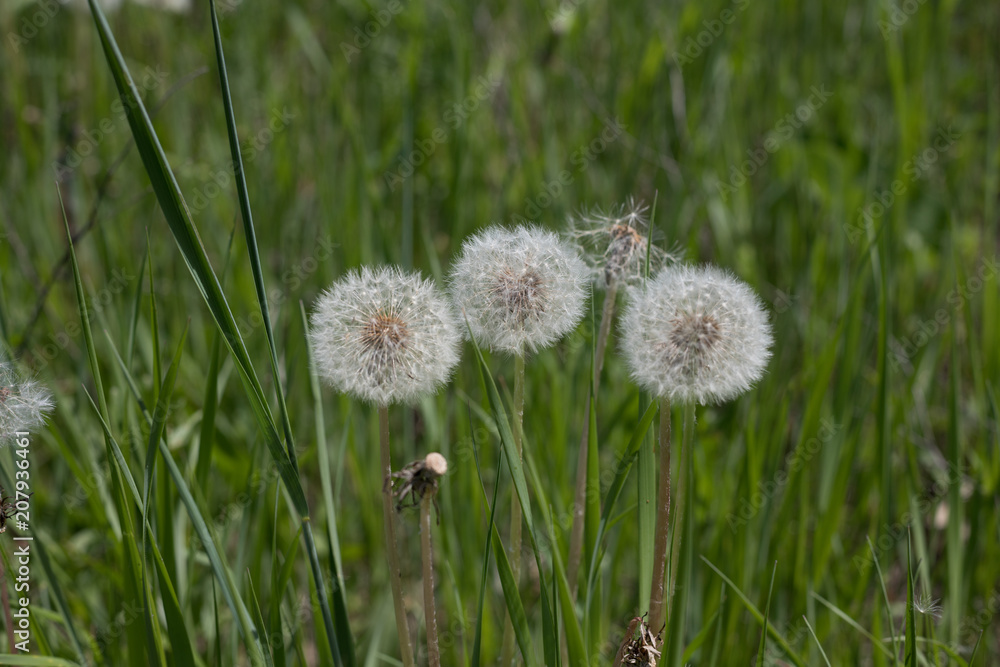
point(614, 244)
point(384, 336)
point(520, 288)
point(696, 334)
point(928, 606)
point(23, 403)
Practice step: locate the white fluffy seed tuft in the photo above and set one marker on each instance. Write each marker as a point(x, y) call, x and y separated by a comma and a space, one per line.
point(614, 244)
point(696, 334)
point(384, 336)
point(436, 463)
point(520, 289)
point(24, 403)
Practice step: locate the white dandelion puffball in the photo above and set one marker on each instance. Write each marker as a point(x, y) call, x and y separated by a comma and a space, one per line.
point(23, 404)
point(696, 334)
point(615, 244)
point(520, 288)
point(384, 336)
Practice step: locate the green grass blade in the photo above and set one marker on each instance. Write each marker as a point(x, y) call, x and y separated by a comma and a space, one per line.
point(258, 619)
point(478, 638)
point(185, 234)
point(251, 237)
point(499, 413)
point(850, 621)
point(34, 661)
point(622, 469)
point(752, 608)
point(761, 650)
point(816, 639)
point(910, 659)
point(885, 600)
point(344, 638)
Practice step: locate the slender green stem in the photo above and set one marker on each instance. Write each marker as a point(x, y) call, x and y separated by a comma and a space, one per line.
point(682, 480)
point(580, 495)
point(657, 597)
point(391, 550)
point(514, 552)
point(427, 559)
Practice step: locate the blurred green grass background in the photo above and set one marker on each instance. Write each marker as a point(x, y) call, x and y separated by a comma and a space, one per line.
point(861, 225)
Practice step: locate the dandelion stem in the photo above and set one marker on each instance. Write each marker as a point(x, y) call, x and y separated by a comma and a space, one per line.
point(391, 548)
point(579, 498)
point(514, 553)
point(427, 558)
point(657, 598)
point(682, 475)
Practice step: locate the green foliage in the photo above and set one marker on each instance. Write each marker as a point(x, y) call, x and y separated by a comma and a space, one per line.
point(871, 231)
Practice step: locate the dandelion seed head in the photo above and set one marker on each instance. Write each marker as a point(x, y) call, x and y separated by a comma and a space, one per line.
point(24, 403)
point(696, 334)
point(614, 244)
point(384, 336)
point(520, 288)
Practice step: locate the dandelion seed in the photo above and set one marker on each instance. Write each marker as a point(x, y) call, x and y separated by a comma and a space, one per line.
point(614, 244)
point(928, 606)
point(24, 403)
point(696, 335)
point(384, 336)
point(520, 288)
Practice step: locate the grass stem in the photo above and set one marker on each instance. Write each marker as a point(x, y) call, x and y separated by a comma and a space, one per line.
point(514, 553)
point(427, 560)
point(682, 475)
point(391, 545)
point(579, 496)
point(657, 597)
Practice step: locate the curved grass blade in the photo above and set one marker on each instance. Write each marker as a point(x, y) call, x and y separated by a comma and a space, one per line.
point(752, 608)
point(767, 611)
point(623, 468)
point(850, 621)
point(344, 637)
point(820, 646)
point(885, 600)
point(477, 640)
point(550, 643)
point(910, 659)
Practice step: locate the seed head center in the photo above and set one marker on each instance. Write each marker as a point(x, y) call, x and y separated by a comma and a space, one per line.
point(520, 293)
point(384, 333)
point(4, 393)
point(694, 334)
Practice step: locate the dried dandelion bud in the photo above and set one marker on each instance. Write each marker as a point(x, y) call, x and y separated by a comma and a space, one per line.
point(384, 336)
point(23, 403)
point(615, 244)
point(436, 464)
point(696, 334)
point(520, 288)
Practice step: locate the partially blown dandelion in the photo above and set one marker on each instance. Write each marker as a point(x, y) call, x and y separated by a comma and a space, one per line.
point(521, 289)
point(615, 244)
point(384, 336)
point(24, 403)
point(387, 337)
point(696, 335)
point(691, 335)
